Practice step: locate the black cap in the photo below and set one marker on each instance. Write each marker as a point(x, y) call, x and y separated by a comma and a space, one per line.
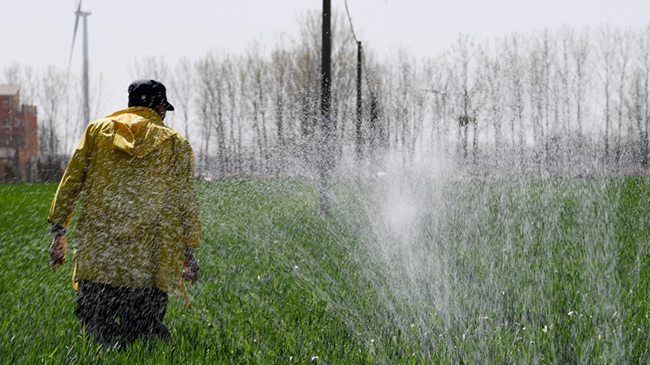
point(148, 93)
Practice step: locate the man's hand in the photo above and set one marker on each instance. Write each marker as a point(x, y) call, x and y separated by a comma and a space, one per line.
point(57, 250)
point(191, 271)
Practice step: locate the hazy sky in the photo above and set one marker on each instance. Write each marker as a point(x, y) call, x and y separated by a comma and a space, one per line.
point(39, 32)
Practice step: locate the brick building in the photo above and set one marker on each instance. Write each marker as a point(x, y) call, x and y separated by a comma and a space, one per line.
point(18, 136)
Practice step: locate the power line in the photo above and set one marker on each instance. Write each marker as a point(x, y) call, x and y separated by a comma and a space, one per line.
point(350, 19)
point(365, 66)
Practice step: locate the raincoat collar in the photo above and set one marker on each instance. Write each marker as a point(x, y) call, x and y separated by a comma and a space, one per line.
point(138, 131)
point(146, 113)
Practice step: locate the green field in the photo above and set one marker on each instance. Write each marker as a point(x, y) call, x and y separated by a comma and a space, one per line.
point(404, 271)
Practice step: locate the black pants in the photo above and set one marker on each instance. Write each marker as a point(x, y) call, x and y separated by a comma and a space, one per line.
point(113, 311)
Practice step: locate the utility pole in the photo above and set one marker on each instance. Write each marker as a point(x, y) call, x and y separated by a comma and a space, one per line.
point(374, 133)
point(325, 142)
point(359, 139)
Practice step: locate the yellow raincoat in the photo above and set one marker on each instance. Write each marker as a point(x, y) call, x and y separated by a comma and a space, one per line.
point(139, 209)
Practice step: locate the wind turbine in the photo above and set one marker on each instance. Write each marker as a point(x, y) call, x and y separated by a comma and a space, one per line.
point(84, 14)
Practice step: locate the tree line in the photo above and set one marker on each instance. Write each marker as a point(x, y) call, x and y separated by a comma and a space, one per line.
point(560, 102)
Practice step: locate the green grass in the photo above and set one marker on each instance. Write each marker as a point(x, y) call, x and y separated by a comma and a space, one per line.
point(403, 271)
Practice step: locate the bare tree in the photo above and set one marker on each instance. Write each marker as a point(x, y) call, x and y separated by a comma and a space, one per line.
point(639, 105)
point(259, 101)
point(12, 74)
point(637, 113)
point(51, 98)
point(306, 85)
point(493, 71)
point(607, 52)
point(234, 81)
point(150, 68)
point(539, 93)
point(565, 72)
point(208, 102)
point(25, 77)
point(281, 64)
point(623, 52)
point(467, 94)
point(182, 90)
point(580, 54)
point(516, 98)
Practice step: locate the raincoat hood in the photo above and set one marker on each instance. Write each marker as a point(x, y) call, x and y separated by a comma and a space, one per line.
point(138, 131)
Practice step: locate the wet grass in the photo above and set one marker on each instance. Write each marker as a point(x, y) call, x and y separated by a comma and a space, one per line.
point(411, 271)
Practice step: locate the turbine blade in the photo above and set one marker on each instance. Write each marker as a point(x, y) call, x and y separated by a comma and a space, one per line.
point(74, 33)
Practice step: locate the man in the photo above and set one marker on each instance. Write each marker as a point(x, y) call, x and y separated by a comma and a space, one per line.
point(139, 219)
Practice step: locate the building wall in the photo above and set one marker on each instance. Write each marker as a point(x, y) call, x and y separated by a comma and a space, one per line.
point(28, 116)
point(7, 149)
point(18, 133)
